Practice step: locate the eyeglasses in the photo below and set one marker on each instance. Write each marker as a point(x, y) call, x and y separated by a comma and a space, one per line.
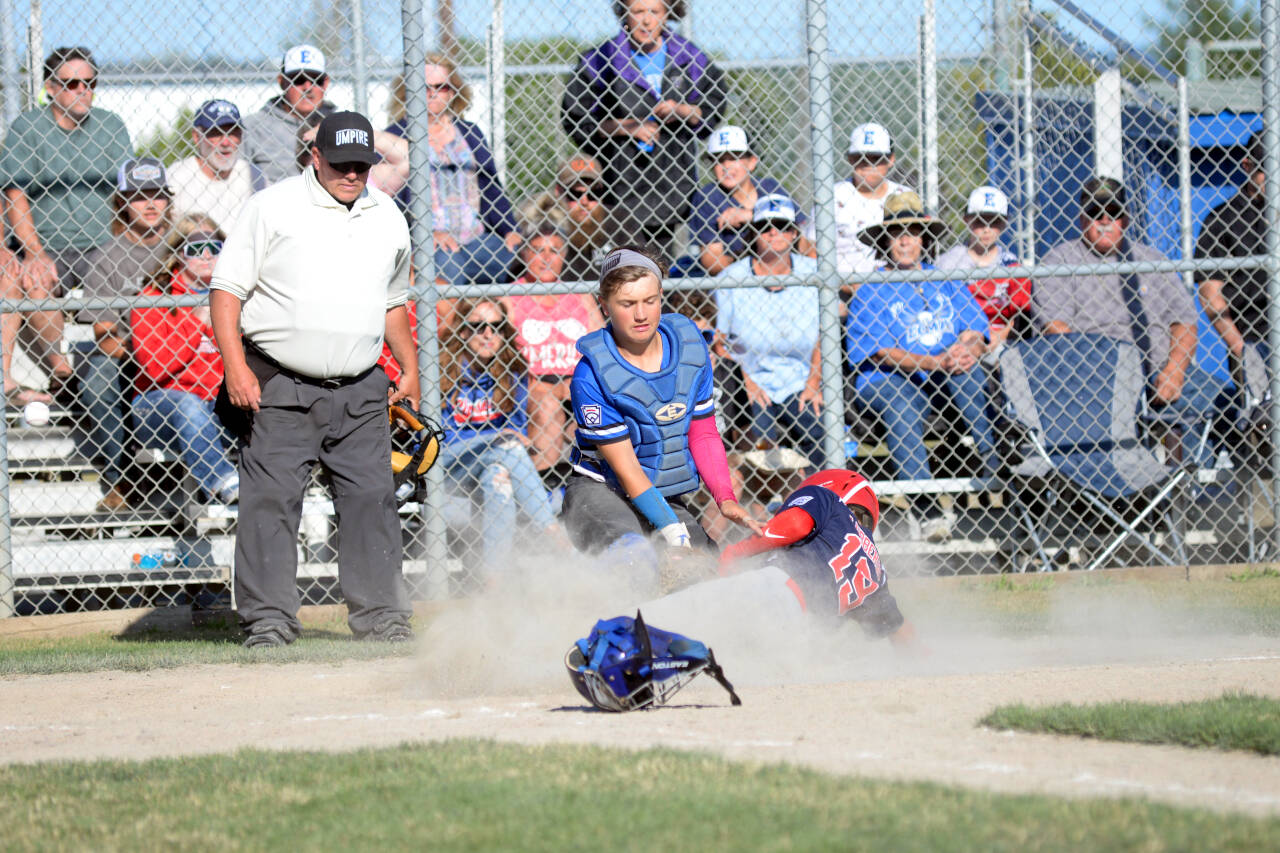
point(354, 166)
point(436, 88)
point(582, 192)
point(75, 84)
point(307, 78)
point(476, 326)
point(199, 247)
point(869, 160)
point(1098, 214)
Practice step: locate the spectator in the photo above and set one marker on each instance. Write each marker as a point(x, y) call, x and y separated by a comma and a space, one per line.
point(485, 388)
point(720, 225)
point(860, 199)
point(1003, 300)
point(640, 102)
point(573, 205)
point(179, 368)
point(143, 217)
point(1236, 300)
point(547, 327)
point(216, 179)
point(473, 221)
point(916, 344)
point(773, 332)
point(1154, 311)
point(306, 135)
point(270, 133)
point(57, 169)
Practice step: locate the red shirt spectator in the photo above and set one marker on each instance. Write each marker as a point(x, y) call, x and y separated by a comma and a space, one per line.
point(174, 346)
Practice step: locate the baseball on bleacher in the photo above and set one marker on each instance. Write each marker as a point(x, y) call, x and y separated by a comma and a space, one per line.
point(35, 414)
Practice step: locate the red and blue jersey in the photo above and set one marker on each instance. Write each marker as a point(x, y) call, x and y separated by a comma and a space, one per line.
point(837, 566)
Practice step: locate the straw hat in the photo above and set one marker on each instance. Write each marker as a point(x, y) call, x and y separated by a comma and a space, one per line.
point(904, 208)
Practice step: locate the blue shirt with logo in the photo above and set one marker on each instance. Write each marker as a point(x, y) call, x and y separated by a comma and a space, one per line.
point(651, 65)
point(923, 317)
point(471, 410)
point(599, 420)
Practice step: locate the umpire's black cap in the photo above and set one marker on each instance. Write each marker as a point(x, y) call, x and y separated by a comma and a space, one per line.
point(346, 137)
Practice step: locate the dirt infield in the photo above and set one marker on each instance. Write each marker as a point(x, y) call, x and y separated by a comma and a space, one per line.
point(831, 701)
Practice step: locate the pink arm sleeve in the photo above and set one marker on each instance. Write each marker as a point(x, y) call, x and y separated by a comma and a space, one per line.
point(707, 449)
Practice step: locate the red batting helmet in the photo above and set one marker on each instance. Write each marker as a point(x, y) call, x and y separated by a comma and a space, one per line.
point(852, 488)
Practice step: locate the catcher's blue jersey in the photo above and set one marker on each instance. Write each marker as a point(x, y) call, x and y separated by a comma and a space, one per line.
point(837, 566)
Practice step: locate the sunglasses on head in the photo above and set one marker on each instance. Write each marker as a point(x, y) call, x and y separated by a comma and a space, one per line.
point(477, 326)
point(196, 248)
point(75, 84)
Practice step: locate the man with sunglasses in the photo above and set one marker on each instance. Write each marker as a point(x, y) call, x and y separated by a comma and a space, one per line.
point(271, 133)
point(573, 204)
point(58, 171)
point(860, 198)
point(315, 277)
point(1154, 311)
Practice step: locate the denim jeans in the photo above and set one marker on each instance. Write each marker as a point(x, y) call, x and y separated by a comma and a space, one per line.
point(484, 259)
point(903, 405)
point(183, 422)
point(501, 470)
point(103, 398)
point(790, 422)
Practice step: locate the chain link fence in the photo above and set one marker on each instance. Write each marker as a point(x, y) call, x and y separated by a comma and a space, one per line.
point(1009, 260)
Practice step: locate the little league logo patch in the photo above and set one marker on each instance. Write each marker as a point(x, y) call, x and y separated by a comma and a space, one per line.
point(591, 415)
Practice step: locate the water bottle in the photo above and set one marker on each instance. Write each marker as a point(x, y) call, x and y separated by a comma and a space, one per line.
point(850, 445)
point(150, 560)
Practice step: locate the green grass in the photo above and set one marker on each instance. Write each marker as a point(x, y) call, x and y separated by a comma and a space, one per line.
point(159, 649)
point(1235, 721)
point(468, 795)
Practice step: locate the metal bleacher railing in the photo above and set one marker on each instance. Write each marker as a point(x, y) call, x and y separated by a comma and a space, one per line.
point(1177, 104)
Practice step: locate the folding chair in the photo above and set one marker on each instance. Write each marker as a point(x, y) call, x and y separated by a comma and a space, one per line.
point(1247, 428)
point(1079, 397)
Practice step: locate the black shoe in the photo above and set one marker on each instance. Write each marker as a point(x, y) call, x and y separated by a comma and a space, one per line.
point(396, 632)
point(266, 638)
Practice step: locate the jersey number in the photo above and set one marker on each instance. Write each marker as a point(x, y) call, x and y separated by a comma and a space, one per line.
point(854, 581)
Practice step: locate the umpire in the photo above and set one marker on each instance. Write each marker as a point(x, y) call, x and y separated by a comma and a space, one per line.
point(313, 276)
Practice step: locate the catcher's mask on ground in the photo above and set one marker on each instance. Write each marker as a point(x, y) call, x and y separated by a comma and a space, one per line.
point(623, 665)
point(852, 488)
point(415, 444)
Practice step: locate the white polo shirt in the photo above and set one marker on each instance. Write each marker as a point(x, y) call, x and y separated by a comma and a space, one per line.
point(854, 211)
point(315, 278)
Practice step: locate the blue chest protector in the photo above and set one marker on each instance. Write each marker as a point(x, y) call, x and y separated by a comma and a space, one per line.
point(657, 407)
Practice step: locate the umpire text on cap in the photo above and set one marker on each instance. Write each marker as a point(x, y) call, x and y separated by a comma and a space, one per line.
point(346, 137)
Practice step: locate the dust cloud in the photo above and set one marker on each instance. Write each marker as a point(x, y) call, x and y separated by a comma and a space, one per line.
point(511, 639)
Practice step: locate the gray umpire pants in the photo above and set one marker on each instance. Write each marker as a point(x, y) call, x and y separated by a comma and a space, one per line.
point(298, 424)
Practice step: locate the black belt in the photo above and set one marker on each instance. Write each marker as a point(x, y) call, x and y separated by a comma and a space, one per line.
point(253, 350)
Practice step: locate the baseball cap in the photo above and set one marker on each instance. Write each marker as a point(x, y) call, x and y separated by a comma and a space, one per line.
point(774, 207)
point(141, 174)
point(216, 113)
point(1103, 195)
point(346, 137)
point(870, 138)
point(302, 58)
point(729, 139)
point(577, 170)
point(988, 200)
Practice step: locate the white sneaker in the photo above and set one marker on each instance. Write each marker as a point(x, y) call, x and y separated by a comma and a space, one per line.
point(229, 492)
point(936, 529)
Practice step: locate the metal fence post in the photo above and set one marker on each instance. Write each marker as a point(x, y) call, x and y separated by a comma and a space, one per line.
point(9, 63)
point(360, 69)
point(1270, 32)
point(929, 110)
point(821, 144)
point(424, 290)
point(498, 89)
